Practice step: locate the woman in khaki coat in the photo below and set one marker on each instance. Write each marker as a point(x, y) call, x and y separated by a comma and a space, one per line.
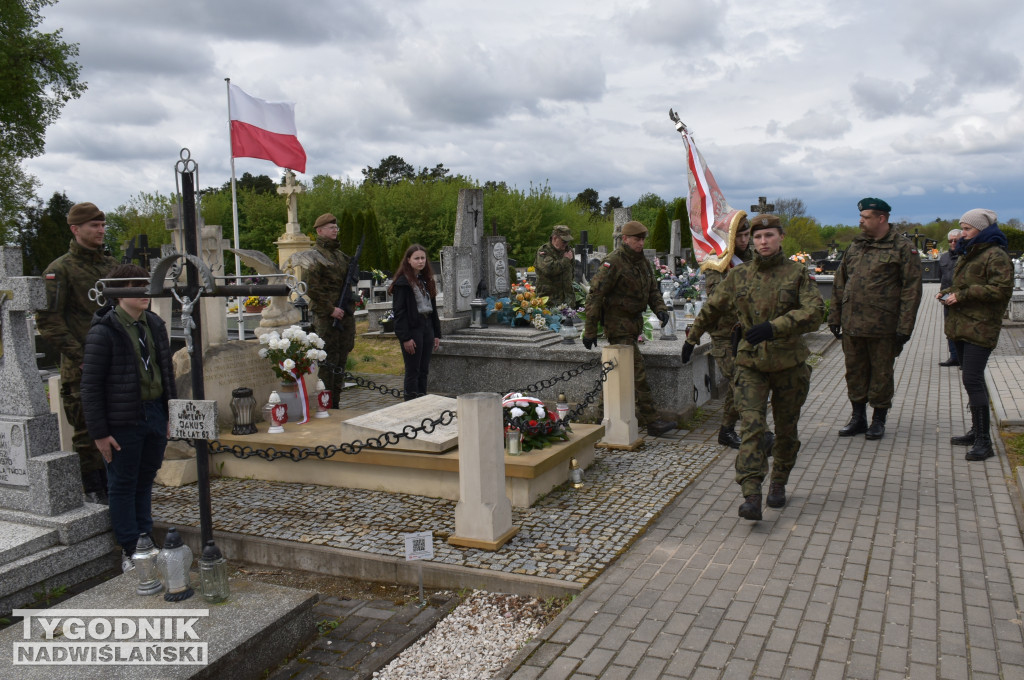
point(977, 301)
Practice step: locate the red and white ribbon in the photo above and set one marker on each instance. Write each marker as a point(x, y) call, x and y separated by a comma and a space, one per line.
point(303, 395)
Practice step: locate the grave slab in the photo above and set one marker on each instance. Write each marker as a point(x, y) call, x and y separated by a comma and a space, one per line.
point(394, 418)
point(254, 630)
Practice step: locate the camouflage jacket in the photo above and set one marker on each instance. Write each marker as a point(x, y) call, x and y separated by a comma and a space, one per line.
point(983, 283)
point(771, 289)
point(623, 287)
point(65, 321)
point(324, 282)
point(554, 275)
point(723, 329)
point(877, 287)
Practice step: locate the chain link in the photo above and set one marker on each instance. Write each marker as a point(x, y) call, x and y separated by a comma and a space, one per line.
point(297, 453)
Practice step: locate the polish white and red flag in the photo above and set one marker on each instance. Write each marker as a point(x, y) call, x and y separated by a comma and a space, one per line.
point(262, 129)
point(713, 222)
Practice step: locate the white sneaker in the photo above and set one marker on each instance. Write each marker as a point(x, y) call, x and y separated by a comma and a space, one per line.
point(127, 563)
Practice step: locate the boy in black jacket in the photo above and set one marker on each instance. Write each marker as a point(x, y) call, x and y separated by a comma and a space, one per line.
point(127, 379)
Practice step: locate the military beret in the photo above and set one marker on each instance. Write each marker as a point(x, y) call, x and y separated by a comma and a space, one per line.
point(979, 218)
point(743, 226)
point(81, 213)
point(634, 228)
point(873, 204)
point(325, 219)
point(765, 221)
point(562, 232)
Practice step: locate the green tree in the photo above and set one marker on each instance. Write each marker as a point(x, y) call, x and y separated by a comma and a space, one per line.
point(261, 184)
point(144, 213)
point(646, 208)
point(391, 170)
point(44, 234)
point(611, 204)
point(680, 212)
point(589, 200)
point(372, 255)
point(802, 235)
point(660, 236)
point(40, 76)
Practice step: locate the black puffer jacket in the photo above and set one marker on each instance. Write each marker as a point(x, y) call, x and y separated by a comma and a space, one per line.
point(407, 319)
point(111, 395)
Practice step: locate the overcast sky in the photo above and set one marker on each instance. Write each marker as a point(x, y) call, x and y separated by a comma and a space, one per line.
point(918, 102)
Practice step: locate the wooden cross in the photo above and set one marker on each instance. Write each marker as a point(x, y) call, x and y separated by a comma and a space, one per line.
point(763, 206)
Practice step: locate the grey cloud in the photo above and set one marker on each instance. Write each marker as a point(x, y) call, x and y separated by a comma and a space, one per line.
point(685, 26)
point(818, 125)
point(878, 98)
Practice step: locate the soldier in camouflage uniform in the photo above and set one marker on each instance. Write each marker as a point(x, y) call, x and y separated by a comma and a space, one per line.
point(621, 290)
point(875, 296)
point(721, 348)
point(65, 322)
point(555, 266)
point(977, 299)
point(324, 284)
point(775, 302)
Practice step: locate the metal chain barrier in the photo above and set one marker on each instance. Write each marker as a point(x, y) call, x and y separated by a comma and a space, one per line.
point(523, 424)
point(564, 376)
point(296, 453)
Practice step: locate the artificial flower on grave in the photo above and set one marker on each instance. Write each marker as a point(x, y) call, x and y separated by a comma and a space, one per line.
point(691, 283)
point(500, 309)
point(256, 301)
point(378, 276)
point(292, 353)
point(801, 257)
point(541, 428)
point(361, 302)
point(660, 270)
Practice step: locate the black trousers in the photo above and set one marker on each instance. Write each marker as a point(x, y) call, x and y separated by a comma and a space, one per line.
point(417, 365)
point(972, 361)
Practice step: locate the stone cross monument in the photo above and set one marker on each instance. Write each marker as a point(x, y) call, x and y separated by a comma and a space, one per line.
point(293, 240)
point(619, 217)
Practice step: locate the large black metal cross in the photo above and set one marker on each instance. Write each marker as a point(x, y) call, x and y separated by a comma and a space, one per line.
point(583, 251)
point(199, 281)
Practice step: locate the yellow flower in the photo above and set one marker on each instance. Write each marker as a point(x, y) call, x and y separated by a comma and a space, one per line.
point(499, 305)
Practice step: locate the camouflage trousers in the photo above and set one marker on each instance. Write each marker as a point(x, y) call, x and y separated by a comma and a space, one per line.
point(787, 390)
point(869, 369)
point(726, 362)
point(337, 343)
point(645, 411)
point(90, 460)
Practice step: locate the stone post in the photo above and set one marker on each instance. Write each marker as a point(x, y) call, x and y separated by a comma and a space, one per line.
point(620, 427)
point(619, 218)
point(483, 515)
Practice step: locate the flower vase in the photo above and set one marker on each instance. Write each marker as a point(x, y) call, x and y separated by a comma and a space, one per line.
point(253, 309)
point(388, 326)
point(289, 393)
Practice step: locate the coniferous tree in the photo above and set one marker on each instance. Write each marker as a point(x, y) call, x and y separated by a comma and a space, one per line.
point(683, 215)
point(372, 255)
point(660, 236)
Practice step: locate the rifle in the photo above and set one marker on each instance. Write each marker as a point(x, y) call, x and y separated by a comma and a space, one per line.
point(351, 280)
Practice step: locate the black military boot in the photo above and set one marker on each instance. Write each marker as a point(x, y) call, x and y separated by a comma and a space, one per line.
point(767, 443)
point(877, 428)
point(660, 427)
point(751, 507)
point(964, 439)
point(727, 437)
point(950, 362)
point(776, 495)
point(982, 448)
point(858, 421)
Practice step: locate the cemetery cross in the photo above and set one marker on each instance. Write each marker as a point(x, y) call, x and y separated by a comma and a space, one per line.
point(763, 206)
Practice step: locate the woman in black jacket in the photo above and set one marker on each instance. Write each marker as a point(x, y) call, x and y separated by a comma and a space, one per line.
point(417, 326)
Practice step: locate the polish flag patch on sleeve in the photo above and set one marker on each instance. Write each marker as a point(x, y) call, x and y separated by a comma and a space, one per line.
point(51, 276)
point(606, 264)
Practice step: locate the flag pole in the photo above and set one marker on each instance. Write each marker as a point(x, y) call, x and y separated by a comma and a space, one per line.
point(234, 219)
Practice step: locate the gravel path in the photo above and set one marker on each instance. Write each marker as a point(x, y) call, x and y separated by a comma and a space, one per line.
point(473, 642)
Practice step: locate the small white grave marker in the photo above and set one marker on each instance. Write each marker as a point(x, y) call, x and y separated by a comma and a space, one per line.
point(193, 418)
point(419, 545)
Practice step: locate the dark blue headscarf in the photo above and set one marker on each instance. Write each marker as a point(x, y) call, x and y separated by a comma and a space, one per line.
point(990, 234)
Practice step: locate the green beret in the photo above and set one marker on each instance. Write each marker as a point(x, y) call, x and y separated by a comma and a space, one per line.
point(634, 228)
point(765, 221)
point(324, 220)
point(874, 204)
point(81, 213)
point(562, 232)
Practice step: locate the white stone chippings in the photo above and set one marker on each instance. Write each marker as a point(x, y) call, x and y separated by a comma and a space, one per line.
point(475, 641)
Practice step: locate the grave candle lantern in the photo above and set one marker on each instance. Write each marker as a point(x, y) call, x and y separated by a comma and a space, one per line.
point(144, 558)
point(213, 574)
point(323, 400)
point(575, 474)
point(478, 313)
point(278, 414)
point(513, 441)
point(562, 406)
point(174, 562)
point(243, 407)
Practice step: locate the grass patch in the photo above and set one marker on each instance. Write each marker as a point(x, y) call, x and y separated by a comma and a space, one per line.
point(1014, 449)
point(381, 355)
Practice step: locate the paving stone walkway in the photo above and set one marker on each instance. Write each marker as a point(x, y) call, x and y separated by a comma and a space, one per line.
point(892, 559)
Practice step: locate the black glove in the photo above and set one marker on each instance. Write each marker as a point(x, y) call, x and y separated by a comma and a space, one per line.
point(663, 318)
point(760, 333)
point(687, 352)
point(589, 342)
point(901, 340)
point(837, 330)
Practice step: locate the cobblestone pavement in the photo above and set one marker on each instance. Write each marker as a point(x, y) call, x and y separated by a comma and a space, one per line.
point(892, 559)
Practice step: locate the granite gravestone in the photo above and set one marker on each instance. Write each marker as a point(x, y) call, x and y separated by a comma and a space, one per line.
point(462, 264)
point(619, 218)
point(47, 534)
